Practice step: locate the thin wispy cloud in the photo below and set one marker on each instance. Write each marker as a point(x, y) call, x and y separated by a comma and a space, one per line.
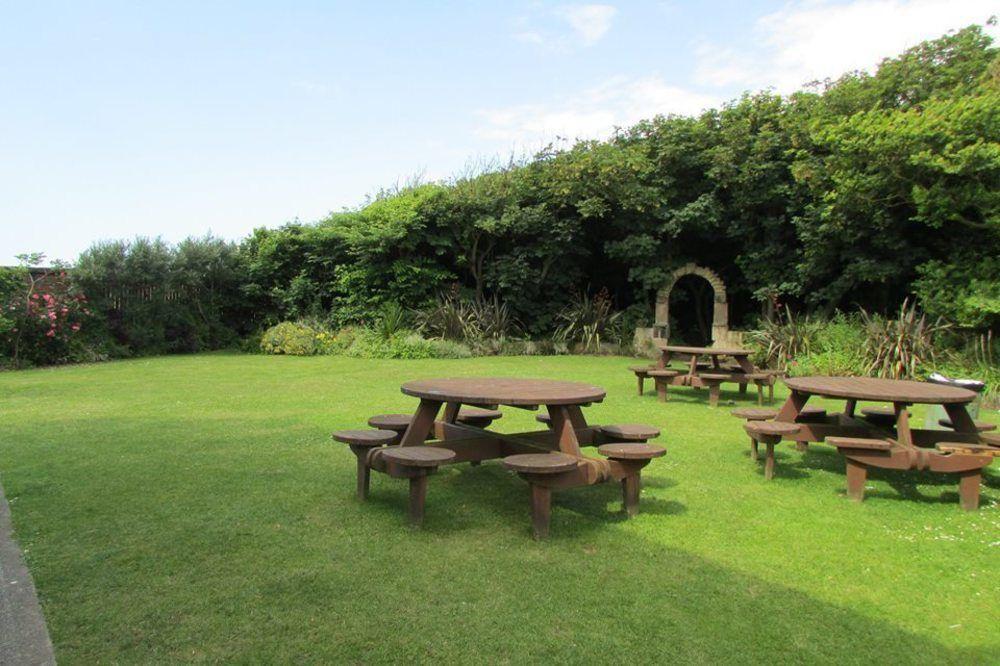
point(811, 40)
point(593, 113)
point(566, 27)
point(589, 22)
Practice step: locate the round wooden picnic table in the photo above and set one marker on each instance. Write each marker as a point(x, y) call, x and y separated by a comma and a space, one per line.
point(504, 391)
point(880, 390)
point(866, 444)
point(705, 351)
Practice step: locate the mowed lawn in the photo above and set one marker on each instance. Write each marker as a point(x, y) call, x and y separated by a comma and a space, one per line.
point(194, 508)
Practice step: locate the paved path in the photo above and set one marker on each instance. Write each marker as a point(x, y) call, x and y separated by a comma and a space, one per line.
point(24, 638)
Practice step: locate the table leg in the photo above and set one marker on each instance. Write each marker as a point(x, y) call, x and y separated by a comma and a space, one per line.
point(565, 420)
point(857, 474)
point(903, 435)
point(968, 489)
point(421, 423)
point(451, 412)
point(849, 407)
point(541, 510)
point(960, 419)
point(790, 411)
point(418, 497)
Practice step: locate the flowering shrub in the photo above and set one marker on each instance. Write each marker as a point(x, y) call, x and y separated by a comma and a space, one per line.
point(42, 315)
point(291, 338)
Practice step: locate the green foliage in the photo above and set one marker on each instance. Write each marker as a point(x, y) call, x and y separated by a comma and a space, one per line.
point(588, 322)
point(290, 338)
point(391, 321)
point(483, 324)
point(154, 298)
point(783, 338)
point(897, 347)
point(966, 293)
point(41, 316)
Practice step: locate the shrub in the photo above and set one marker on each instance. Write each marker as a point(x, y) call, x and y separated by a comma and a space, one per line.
point(391, 320)
point(405, 345)
point(290, 338)
point(896, 348)
point(483, 324)
point(41, 316)
point(588, 322)
point(782, 339)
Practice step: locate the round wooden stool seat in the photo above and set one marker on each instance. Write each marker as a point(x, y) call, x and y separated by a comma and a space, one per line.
point(365, 438)
point(417, 456)
point(981, 426)
point(477, 415)
point(640, 369)
point(630, 431)
point(664, 373)
point(772, 431)
point(755, 413)
point(630, 451)
point(541, 463)
point(396, 422)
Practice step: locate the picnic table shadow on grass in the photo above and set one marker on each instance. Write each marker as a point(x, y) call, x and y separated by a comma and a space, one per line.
point(491, 486)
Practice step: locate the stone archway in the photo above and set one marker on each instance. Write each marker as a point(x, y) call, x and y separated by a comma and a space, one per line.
point(720, 313)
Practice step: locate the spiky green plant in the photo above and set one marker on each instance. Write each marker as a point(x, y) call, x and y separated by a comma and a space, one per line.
point(782, 338)
point(896, 347)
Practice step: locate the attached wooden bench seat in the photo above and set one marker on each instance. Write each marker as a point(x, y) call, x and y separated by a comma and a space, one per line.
point(641, 373)
point(859, 443)
point(755, 413)
point(632, 432)
point(811, 414)
point(662, 377)
point(632, 457)
point(361, 442)
point(879, 416)
point(478, 417)
point(981, 426)
point(416, 463)
point(970, 449)
point(768, 433)
point(533, 468)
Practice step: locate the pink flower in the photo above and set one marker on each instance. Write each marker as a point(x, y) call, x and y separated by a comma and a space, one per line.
point(51, 333)
point(75, 327)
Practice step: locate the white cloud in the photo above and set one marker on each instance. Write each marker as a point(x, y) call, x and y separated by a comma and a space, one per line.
point(811, 40)
point(566, 27)
point(589, 22)
point(593, 113)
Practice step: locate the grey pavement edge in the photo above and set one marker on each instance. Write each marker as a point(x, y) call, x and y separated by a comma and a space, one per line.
point(24, 638)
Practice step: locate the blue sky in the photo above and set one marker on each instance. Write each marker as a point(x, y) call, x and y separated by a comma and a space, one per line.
point(176, 119)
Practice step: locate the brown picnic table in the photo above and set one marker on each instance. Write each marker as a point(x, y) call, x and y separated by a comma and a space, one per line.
point(886, 439)
point(708, 367)
point(548, 459)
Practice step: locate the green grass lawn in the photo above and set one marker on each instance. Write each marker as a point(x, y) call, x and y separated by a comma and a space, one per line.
point(195, 508)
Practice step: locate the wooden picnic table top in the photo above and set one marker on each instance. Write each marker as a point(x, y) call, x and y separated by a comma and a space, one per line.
point(504, 391)
point(703, 351)
point(880, 390)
